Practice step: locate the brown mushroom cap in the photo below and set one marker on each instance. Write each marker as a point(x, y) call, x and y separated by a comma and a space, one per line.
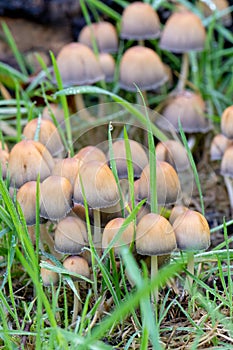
point(138, 154)
point(48, 134)
point(26, 197)
point(68, 168)
point(78, 65)
point(190, 108)
point(111, 230)
point(99, 185)
point(209, 7)
point(90, 153)
point(104, 33)
point(176, 211)
point(141, 66)
point(4, 157)
point(70, 236)
point(154, 235)
point(183, 32)
point(107, 64)
point(192, 231)
point(167, 184)
point(55, 197)
point(27, 159)
point(48, 276)
point(226, 163)
point(139, 21)
point(218, 146)
point(77, 264)
point(174, 153)
point(227, 122)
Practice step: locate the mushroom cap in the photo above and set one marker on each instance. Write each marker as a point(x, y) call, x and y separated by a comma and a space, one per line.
point(154, 235)
point(226, 163)
point(27, 159)
point(107, 64)
point(174, 153)
point(48, 134)
point(111, 230)
point(78, 65)
point(218, 146)
point(26, 197)
point(67, 167)
point(176, 211)
point(183, 32)
point(99, 185)
point(90, 153)
point(192, 231)
point(138, 156)
point(209, 7)
point(70, 235)
point(227, 122)
point(48, 276)
point(77, 264)
point(190, 108)
point(55, 197)
point(104, 33)
point(57, 111)
point(4, 157)
point(141, 66)
point(139, 21)
point(167, 184)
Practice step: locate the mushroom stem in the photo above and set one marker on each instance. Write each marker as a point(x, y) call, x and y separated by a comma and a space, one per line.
point(80, 106)
point(97, 230)
point(154, 272)
point(190, 268)
point(139, 97)
point(45, 237)
point(228, 183)
point(183, 73)
point(76, 303)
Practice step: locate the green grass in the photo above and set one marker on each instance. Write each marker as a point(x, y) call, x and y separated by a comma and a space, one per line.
point(117, 312)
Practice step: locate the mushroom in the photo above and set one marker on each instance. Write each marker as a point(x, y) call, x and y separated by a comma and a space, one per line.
point(176, 211)
point(154, 237)
point(215, 7)
point(4, 157)
point(108, 66)
point(78, 265)
point(192, 233)
point(227, 172)
point(89, 153)
point(183, 32)
point(68, 168)
point(49, 277)
point(227, 122)
point(218, 146)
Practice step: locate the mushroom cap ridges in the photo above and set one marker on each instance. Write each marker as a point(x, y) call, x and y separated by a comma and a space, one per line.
point(227, 122)
point(55, 197)
point(218, 146)
point(192, 231)
point(111, 230)
point(99, 185)
point(48, 134)
point(174, 153)
point(104, 33)
point(70, 235)
point(78, 65)
point(27, 159)
point(183, 32)
point(226, 163)
point(167, 184)
point(138, 156)
point(77, 264)
point(154, 235)
point(26, 197)
point(67, 167)
point(141, 66)
point(90, 153)
point(139, 21)
point(176, 211)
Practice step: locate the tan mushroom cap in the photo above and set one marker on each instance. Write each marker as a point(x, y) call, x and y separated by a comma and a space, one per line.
point(138, 155)
point(78, 65)
point(226, 163)
point(4, 158)
point(167, 184)
point(183, 32)
point(90, 153)
point(104, 33)
point(227, 122)
point(154, 235)
point(141, 66)
point(108, 66)
point(77, 264)
point(68, 168)
point(26, 197)
point(218, 146)
point(48, 134)
point(111, 230)
point(70, 236)
point(48, 276)
point(176, 211)
point(55, 197)
point(192, 231)
point(210, 7)
point(27, 159)
point(139, 21)
point(174, 153)
point(99, 185)
point(190, 108)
